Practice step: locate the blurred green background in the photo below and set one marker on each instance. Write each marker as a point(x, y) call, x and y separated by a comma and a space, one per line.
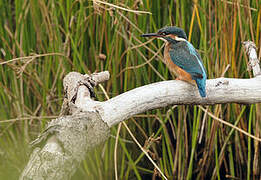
point(42, 40)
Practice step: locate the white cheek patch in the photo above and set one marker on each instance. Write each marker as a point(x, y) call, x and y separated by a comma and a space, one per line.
point(179, 39)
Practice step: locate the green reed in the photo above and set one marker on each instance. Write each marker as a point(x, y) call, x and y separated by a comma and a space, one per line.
point(63, 36)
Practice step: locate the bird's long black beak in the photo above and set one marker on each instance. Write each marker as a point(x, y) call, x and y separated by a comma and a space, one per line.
point(151, 35)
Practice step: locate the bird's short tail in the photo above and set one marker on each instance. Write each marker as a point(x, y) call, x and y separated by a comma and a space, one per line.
point(201, 83)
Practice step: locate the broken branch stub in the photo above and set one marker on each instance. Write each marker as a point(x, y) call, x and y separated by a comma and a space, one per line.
point(250, 49)
point(76, 84)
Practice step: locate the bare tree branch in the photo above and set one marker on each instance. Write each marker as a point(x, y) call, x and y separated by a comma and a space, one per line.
point(162, 94)
point(84, 123)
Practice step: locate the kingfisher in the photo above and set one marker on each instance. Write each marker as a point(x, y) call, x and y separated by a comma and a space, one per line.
point(181, 57)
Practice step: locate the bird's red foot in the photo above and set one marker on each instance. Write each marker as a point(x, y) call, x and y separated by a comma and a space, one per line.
point(177, 78)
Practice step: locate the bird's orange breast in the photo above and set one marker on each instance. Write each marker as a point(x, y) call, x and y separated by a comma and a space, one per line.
point(180, 73)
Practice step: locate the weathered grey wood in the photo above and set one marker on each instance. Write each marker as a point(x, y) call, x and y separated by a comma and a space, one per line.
point(66, 148)
point(84, 123)
point(162, 94)
point(68, 137)
point(250, 49)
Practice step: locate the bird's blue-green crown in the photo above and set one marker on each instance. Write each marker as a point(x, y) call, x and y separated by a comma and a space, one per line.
point(173, 30)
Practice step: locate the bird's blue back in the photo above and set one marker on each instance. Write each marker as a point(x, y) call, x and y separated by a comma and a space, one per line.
point(184, 55)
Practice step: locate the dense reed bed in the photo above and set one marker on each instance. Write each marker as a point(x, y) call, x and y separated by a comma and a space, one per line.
point(41, 41)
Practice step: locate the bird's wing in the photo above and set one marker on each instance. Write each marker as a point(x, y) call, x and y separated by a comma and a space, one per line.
point(184, 55)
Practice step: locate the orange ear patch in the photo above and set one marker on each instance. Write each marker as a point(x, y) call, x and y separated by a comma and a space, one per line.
point(171, 36)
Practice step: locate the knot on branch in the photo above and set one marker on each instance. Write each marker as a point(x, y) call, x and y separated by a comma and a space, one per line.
point(222, 82)
point(73, 81)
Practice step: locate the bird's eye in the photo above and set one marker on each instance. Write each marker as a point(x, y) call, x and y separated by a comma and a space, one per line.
point(164, 34)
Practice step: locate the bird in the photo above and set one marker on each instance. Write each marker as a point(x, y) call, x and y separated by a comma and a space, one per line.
point(181, 57)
